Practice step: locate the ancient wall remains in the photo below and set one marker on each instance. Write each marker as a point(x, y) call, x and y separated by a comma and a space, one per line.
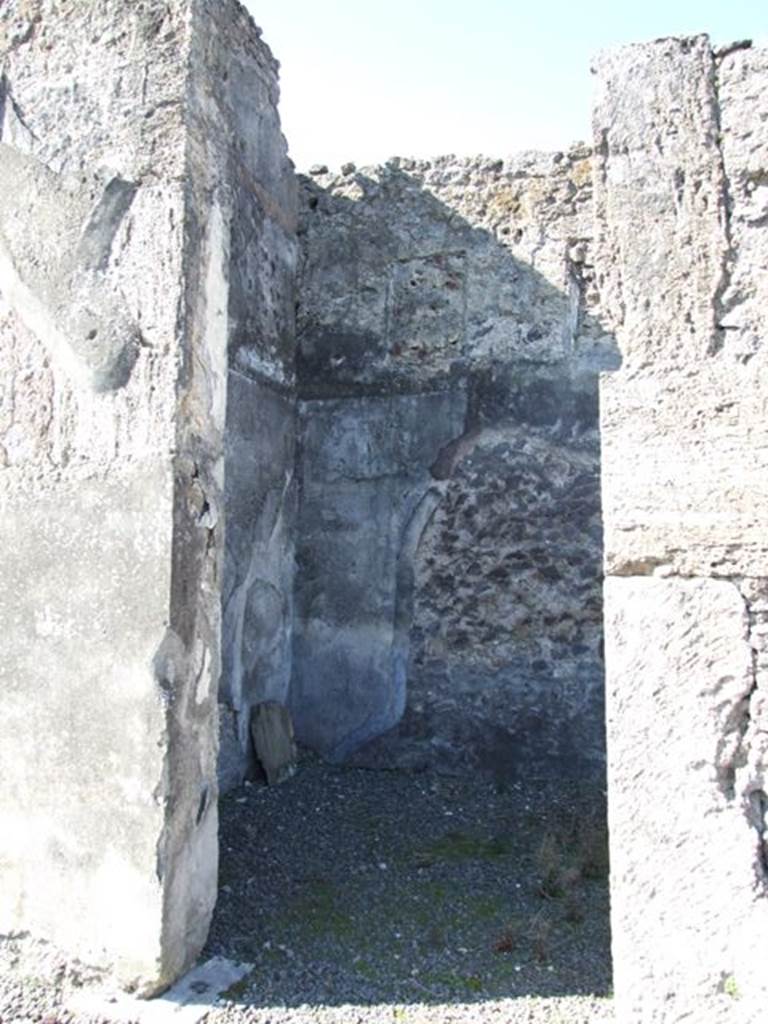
point(432, 453)
point(259, 490)
point(449, 541)
point(131, 139)
point(681, 215)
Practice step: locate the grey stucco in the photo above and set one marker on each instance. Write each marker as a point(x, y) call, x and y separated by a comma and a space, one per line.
point(257, 591)
point(365, 481)
point(259, 468)
point(448, 579)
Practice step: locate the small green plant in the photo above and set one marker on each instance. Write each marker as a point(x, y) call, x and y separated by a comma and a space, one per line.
point(364, 968)
point(455, 847)
point(455, 982)
point(520, 934)
point(237, 989)
point(573, 854)
point(484, 908)
point(730, 987)
point(319, 911)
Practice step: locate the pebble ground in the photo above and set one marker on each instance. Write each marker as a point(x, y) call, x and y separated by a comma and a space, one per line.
point(367, 897)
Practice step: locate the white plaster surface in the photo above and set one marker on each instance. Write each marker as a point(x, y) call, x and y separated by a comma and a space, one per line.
point(681, 268)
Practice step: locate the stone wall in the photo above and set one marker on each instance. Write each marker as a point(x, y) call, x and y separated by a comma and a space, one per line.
point(682, 210)
point(450, 542)
point(130, 137)
point(259, 225)
point(431, 450)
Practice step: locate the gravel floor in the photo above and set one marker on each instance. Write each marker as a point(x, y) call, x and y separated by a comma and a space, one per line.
point(355, 888)
point(365, 896)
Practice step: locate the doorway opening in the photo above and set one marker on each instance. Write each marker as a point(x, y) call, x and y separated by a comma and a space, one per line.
point(444, 839)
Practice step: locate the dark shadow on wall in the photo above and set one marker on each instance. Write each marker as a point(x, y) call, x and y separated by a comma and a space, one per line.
point(260, 453)
point(447, 618)
point(448, 607)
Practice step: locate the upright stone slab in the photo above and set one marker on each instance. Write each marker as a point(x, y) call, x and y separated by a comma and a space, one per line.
point(122, 141)
point(682, 135)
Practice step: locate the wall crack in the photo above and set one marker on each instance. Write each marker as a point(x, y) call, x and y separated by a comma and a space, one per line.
point(720, 305)
point(753, 732)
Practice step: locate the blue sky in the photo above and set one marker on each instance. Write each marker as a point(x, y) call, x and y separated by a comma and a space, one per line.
point(365, 81)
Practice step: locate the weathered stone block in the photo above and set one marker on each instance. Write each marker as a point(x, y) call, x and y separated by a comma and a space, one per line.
point(428, 310)
point(257, 583)
point(684, 498)
point(688, 882)
point(659, 200)
point(236, 112)
point(414, 273)
point(505, 647)
point(685, 470)
point(120, 163)
point(742, 312)
point(684, 452)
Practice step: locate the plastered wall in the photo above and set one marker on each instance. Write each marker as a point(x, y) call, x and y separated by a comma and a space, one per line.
point(450, 542)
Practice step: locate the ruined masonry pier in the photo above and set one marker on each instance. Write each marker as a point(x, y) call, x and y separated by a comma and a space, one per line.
point(140, 156)
point(365, 445)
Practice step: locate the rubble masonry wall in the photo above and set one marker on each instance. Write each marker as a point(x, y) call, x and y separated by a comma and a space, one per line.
point(449, 551)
